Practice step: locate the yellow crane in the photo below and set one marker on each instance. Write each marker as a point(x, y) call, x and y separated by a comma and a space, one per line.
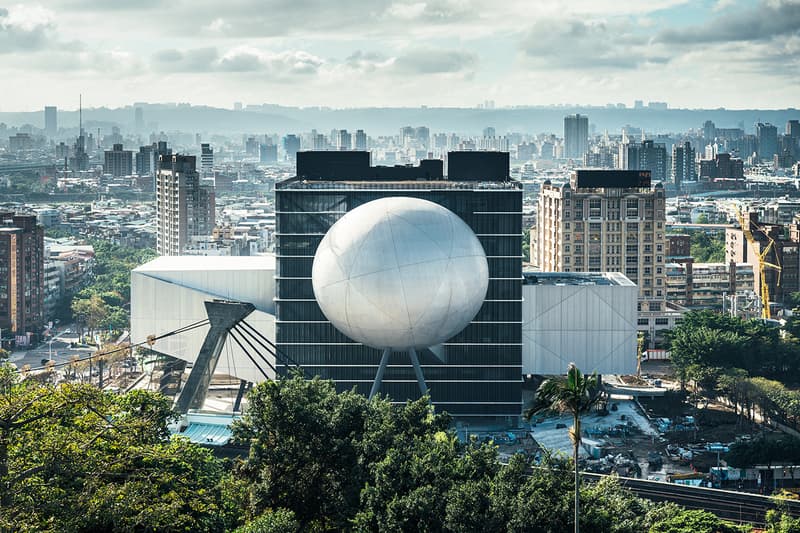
point(763, 264)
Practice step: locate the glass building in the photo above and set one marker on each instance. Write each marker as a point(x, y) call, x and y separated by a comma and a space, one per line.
point(476, 373)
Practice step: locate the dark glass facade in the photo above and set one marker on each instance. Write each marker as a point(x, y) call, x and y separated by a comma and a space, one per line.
point(476, 373)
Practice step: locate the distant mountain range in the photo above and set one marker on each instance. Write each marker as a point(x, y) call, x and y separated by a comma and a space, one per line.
point(388, 120)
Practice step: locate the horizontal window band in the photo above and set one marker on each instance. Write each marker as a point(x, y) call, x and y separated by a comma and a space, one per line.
point(409, 365)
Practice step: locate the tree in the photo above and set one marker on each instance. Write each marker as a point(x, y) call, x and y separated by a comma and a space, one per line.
point(302, 451)
point(74, 458)
point(576, 394)
point(91, 312)
point(693, 521)
point(273, 521)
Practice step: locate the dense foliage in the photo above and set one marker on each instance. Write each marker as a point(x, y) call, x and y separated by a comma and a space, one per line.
point(706, 340)
point(73, 458)
point(708, 247)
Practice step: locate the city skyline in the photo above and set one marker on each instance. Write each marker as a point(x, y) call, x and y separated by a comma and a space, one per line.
point(735, 54)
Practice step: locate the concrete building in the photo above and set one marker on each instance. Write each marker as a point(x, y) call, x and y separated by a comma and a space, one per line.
point(767, 138)
point(586, 318)
point(707, 285)
point(268, 153)
point(576, 136)
point(21, 277)
point(477, 372)
point(145, 161)
point(722, 166)
point(206, 160)
point(291, 145)
point(50, 121)
point(647, 155)
point(118, 162)
point(360, 142)
point(184, 204)
point(683, 165)
point(604, 221)
point(344, 141)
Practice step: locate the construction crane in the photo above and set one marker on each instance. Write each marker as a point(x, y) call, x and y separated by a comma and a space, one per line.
point(761, 255)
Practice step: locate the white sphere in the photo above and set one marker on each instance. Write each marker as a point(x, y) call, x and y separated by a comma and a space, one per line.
point(400, 273)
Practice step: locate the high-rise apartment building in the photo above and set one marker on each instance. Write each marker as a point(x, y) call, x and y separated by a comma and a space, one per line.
point(184, 204)
point(118, 162)
point(684, 167)
point(604, 221)
point(576, 136)
point(267, 153)
point(144, 161)
point(767, 139)
point(50, 121)
point(474, 374)
point(709, 131)
point(360, 140)
point(291, 145)
point(206, 160)
point(344, 140)
point(21, 274)
point(647, 155)
point(793, 128)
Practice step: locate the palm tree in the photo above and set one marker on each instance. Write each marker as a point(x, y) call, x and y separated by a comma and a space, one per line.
point(576, 394)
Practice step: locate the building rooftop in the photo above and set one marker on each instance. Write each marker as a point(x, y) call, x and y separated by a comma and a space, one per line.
point(197, 262)
point(576, 278)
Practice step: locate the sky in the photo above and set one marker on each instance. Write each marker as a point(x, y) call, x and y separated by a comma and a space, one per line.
point(373, 53)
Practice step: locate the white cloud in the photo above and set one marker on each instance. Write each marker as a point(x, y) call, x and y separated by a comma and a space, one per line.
point(25, 28)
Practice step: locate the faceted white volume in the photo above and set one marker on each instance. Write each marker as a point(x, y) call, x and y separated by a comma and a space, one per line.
point(400, 273)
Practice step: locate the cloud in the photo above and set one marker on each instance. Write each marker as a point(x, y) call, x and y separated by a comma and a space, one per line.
point(195, 60)
point(589, 44)
point(239, 59)
point(768, 20)
point(280, 64)
point(434, 61)
point(26, 28)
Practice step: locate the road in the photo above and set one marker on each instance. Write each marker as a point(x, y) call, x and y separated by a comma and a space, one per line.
point(61, 350)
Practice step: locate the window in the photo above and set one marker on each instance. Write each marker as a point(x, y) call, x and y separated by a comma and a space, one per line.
point(566, 248)
point(655, 306)
point(632, 208)
point(566, 225)
point(594, 207)
point(643, 322)
point(595, 226)
point(632, 227)
point(662, 321)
